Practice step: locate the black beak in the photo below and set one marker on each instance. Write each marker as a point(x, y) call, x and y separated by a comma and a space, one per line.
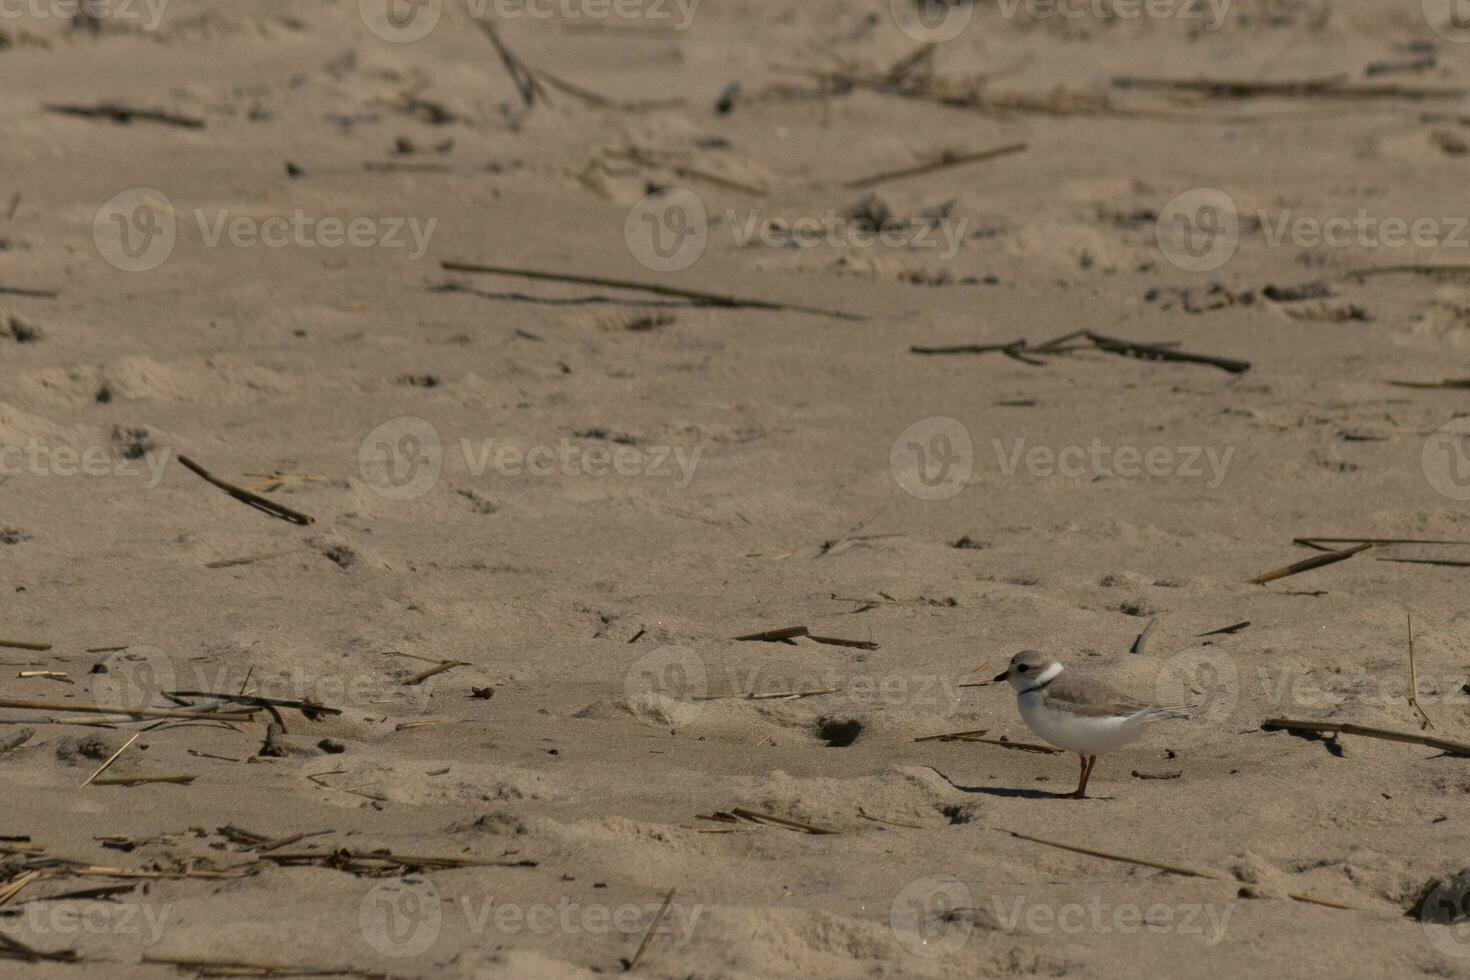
point(1000, 677)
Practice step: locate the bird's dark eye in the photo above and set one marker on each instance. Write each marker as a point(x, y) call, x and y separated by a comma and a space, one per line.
point(1022, 668)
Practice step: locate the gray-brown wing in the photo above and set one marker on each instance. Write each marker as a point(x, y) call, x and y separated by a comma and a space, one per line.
point(1088, 697)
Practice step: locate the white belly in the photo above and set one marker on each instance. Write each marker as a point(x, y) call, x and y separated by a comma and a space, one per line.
point(1088, 736)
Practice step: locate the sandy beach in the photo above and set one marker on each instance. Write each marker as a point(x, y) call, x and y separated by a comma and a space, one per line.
point(406, 409)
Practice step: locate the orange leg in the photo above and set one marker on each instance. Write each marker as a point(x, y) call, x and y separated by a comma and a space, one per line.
point(1080, 793)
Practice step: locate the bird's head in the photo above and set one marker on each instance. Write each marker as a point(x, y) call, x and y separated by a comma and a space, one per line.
point(1029, 668)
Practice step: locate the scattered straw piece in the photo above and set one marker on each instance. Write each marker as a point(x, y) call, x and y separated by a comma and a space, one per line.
point(652, 928)
point(1424, 723)
point(111, 759)
point(1344, 728)
point(1307, 564)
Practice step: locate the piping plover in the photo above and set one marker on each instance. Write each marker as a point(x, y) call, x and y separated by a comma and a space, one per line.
point(1078, 713)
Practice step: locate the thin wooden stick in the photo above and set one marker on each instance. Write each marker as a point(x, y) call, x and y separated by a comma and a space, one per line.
point(1159, 352)
point(1446, 383)
point(13, 889)
point(1003, 743)
point(131, 712)
point(1108, 856)
point(1424, 723)
point(757, 817)
point(1307, 564)
point(1442, 562)
point(1343, 728)
point(839, 642)
point(1312, 539)
point(698, 296)
point(246, 560)
point(951, 736)
point(1332, 87)
point(770, 696)
point(308, 708)
point(775, 635)
point(111, 759)
point(182, 778)
point(1140, 644)
point(521, 74)
point(245, 496)
point(892, 823)
point(24, 645)
point(652, 928)
point(50, 675)
point(218, 968)
point(1227, 630)
point(944, 162)
point(602, 101)
point(438, 668)
point(14, 948)
point(113, 112)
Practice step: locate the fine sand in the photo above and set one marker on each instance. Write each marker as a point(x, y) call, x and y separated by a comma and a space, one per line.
point(574, 496)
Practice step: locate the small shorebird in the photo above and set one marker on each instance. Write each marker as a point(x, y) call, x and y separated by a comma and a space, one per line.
point(1077, 713)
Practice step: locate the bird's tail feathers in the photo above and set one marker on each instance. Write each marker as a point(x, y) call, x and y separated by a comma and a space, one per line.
point(1169, 712)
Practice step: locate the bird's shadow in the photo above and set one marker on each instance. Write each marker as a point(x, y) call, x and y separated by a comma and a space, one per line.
point(1011, 792)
